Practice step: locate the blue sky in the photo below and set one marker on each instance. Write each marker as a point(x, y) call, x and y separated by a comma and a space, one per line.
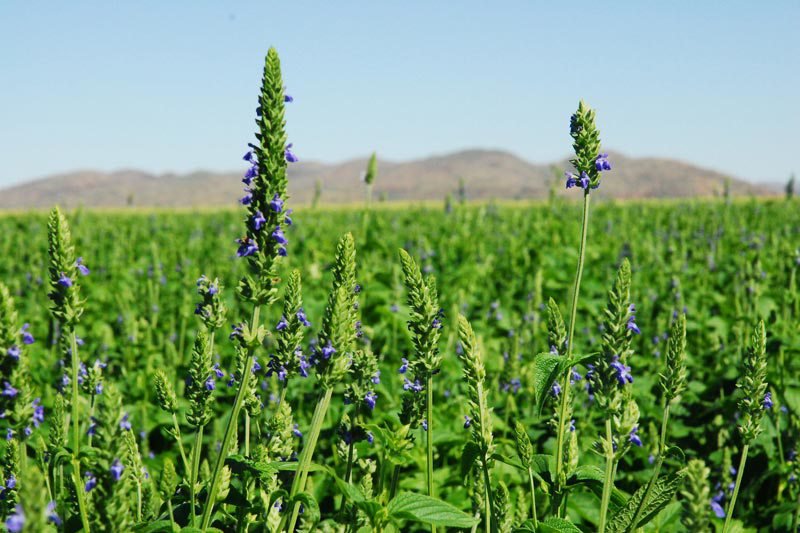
point(172, 86)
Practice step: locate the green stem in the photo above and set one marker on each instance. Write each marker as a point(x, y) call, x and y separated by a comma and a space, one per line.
point(180, 444)
point(429, 439)
point(796, 515)
point(608, 484)
point(572, 315)
point(732, 504)
point(246, 434)
point(350, 449)
point(533, 500)
point(230, 428)
point(299, 483)
point(198, 443)
point(76, 434)
point(662, 446)
point(395, 482)
point(487, 500)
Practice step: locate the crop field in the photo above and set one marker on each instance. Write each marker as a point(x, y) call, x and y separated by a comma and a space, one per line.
point(560, 366)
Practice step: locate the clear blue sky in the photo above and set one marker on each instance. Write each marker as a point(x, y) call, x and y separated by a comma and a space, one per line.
point(172, 85)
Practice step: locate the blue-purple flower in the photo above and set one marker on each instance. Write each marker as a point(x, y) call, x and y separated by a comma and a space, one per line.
point(415, 387)
point(38, 412)
point(83, 269)
point(290, 157)
point(403, 367)
point(52, 515)
point(125, 424)
point(622, 372)
point(13, 352)
point(258, 220)
point(301, 316)
point(64, 280)
point(91, 482)
point(282, 324)
point(716, 504)
point(8, 390)
point(634, 436)
point(276, 204)
point(278, 235)
point(116, 469)
point(27, 337)
point(370, 398)
point(602, 163)
point(247, 246)
point(328, 350)
point(632, 320)
point(767, 403)
point(467, 421)
point(16, 520)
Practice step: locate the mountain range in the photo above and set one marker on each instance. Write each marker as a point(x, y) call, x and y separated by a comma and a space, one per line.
point(485, 174)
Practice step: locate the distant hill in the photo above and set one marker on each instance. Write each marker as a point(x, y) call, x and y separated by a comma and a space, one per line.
point(486, 174)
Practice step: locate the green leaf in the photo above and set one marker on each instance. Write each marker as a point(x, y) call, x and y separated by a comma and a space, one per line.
point(427, 510)
point(469, 454)
point(662, 493)
point(557, 525)
point(545, 372)
point(311, 513)
point(593, 477)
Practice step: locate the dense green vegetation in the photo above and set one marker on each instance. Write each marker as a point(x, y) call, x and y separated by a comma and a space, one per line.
point(726, 265)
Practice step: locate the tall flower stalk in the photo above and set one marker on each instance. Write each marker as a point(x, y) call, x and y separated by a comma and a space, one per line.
point(335, 350)
point(755, 399)
point(588, 162)
point(67, 308)
point(263, 244)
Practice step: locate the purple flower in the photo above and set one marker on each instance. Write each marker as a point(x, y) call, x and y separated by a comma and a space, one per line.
point(16, 520)
point(301, 316)
point(38, 412)
point(247, 198)
point(14, 352)
point(467, 421)
point(8, 390)
point(258, 220)
point(436, 324)
point(376, 377)
point(218, 371)
point(210, 383)
point(116, 469)
point(83, 269)
point(249, 156)
point(290, 157)
point(251, 173)
point(716, 504)
point(11, 482)
point(404, 367)
point(288, 98)
point(296, 431)
point(276, 204)
point(52, 516)
point(623, 372)
point(287, 219)
point(27, 338)
point(370, 437)
point(555, 390)
point(247, 246)
point(282, 324)
point(767, 403)
point(425, 425)
point(278, 235)
point(414, 387)
point(64, 280)
point(125, 424)
point(92, 426)
point(91, 482)
point(328, 350)
point(634, 437)
point(574, 377)
point(572, 425)
point(282, 251)
point(370, 398)
point(601, 162)
point(303, 364)
point(9, 434)
point(572, 180)
point(585, 180)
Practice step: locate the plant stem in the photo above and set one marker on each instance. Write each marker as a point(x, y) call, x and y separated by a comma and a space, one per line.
point(533, 500)
point(729, 512)
point(350, 449)
point(796, 515)
point(76, 433)
point(429, 439)
point(609, 481)
point(487, 500)
point(299, 483)
point(230, 428)
point(662, 446)
point(180, 444)
point(572, 315)
point(198, 443)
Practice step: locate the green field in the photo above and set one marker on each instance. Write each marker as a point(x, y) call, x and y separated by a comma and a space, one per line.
point(726, 266)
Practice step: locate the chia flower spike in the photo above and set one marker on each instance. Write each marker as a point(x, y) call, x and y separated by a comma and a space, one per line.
point(266, 196)
point(288, 359)
point(588, 160)
point(753, 384)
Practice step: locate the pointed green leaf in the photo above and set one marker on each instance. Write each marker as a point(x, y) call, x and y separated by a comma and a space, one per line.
point(427, 510)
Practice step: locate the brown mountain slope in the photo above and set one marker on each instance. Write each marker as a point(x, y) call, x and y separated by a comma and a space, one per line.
point(486, 174)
